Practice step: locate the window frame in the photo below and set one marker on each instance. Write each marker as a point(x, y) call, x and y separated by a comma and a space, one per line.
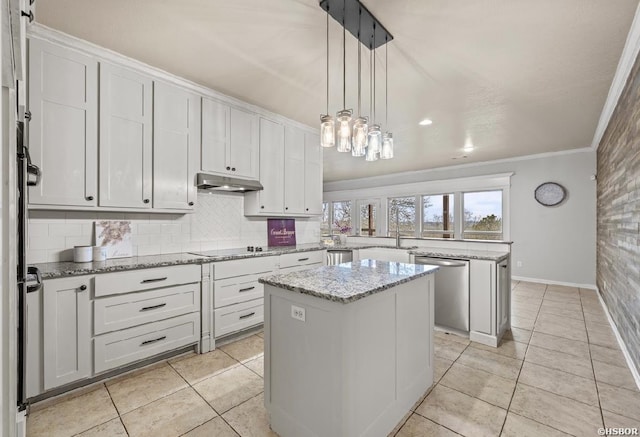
point(463, 231)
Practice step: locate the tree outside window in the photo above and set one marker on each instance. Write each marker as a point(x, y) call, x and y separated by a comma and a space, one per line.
point(437, 216)
point(483, 215)
point(402, 214)
point(341, 223)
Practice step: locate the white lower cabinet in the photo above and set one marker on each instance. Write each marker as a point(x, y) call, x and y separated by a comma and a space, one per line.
point(489, 302)
point(66, 330)
point(237, 317)
point(237, 297)
point(82, 326)
point(124, 347)
point(385, 254)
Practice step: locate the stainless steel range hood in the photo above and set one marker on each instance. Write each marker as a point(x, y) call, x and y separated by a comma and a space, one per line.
point(223, 183)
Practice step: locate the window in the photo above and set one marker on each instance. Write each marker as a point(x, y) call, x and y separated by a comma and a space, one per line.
point(325, 228)
point(437, 216)
point(402, 214)
point(482, 215)
point(368, 217)
point(341, 223)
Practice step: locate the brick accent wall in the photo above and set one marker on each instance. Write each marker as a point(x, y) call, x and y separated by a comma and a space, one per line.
point(618, 212)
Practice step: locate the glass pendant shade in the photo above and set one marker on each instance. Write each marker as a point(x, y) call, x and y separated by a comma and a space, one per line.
point(387, 146)
point(344, 130)
point(360, 131)
point(375, 138)
point(327, 131)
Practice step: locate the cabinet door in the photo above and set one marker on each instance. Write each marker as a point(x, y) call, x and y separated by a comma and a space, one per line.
point(504, 291)
point(176, 137)
point(63, 132)
point(66, 330)
point(125, 138)
point(244, 148)
point(312, 174)
point(271, 199)
point(293, 170)
point(482, 285)
point(215, 137)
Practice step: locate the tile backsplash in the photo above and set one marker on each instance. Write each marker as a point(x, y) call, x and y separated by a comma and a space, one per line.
point(217, 223)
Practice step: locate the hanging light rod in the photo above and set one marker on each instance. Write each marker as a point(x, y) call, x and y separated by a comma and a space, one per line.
point(360, 26)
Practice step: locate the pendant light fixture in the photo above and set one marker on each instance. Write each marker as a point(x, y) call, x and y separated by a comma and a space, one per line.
point(374, 134)
point(344, 116)
point(327, 124)
point(360, 127)
point(362, 136)
point(386, 152)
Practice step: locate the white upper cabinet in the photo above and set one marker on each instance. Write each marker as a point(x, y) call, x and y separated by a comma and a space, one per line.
point(271, 199)
point(312, 174)
point(63, 132)
point(294, 170)
point(230, 140)
point(290, 172)
point(126, 116)
point(176, 136)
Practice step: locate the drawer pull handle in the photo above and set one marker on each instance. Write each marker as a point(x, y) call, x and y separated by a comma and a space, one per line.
point(146, 342)
point(153, 307)
point(246, 289)
point(146, 281)
point(247, 315)
point(303, 259)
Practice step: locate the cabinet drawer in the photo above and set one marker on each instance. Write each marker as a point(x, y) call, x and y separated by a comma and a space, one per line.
point(299, 268)
point(235, 290)
point(124, 347)
point(127, 310)
point(145, 279)
point(237, 317)
point(247, 266)
point(302, 258)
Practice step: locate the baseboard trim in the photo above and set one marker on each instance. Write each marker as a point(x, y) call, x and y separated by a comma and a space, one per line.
point(550, 282)
point(627, 356)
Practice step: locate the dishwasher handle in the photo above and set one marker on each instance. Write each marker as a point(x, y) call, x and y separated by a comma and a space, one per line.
point(441, 262)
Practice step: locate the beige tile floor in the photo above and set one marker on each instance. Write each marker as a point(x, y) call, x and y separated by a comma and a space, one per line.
point(558, 372)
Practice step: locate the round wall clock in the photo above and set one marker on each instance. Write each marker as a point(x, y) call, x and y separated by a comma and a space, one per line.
point(550, 194)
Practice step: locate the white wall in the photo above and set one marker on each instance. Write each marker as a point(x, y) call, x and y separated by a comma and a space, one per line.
point(217, 223)
point(554, 244)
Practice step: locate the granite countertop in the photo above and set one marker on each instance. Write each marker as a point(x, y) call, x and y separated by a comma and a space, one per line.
point(349, 282)
point(69, 268)
point(465, 254)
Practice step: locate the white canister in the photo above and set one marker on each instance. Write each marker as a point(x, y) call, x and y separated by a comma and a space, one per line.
point(99, 253)
point(83, 254)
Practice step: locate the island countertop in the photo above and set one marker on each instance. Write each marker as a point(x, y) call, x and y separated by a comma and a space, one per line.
point(351, 281)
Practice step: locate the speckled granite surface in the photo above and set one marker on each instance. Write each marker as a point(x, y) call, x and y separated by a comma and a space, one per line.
point(70, 268)
point(349, 282)
point(464, 254)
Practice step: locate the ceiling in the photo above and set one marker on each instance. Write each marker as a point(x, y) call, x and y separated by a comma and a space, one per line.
point(513, 77)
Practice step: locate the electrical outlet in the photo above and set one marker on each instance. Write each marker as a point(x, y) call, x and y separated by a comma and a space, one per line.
point(297, 313)
point(519, 264)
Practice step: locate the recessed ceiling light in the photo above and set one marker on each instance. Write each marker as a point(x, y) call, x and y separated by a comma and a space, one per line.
point(425, 122)
point(468, 145)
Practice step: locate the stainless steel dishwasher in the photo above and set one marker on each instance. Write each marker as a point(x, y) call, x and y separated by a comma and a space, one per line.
point(339, 256)
point(451, 292)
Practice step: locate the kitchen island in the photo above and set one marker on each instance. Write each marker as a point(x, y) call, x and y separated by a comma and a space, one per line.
point(348, 348)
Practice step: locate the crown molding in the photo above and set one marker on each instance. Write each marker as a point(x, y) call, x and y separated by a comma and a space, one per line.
point(419, 175)
point(627, 59)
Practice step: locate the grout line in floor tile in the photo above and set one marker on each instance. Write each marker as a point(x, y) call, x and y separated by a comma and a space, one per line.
point(521, 365)
point(595, 381)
